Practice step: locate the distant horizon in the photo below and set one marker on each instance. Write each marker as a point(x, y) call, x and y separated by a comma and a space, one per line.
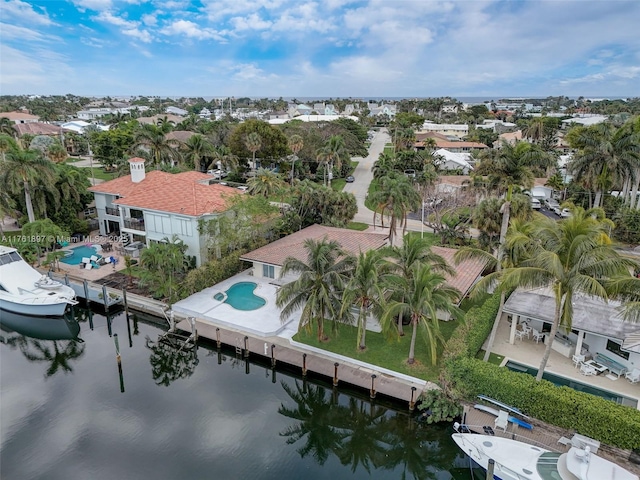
point(264, 48)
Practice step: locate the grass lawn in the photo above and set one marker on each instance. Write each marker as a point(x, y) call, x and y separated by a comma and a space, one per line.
point(373, 188)
point(388, 148)
point(357, 226)
point(391, 353)
point(339, 183)
point(493, 357)
point(99, 173)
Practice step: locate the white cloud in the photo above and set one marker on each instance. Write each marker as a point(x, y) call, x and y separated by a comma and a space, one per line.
point(108, 17)
point(96, 5)
point(24, 12)
point(92, 42)
point(191, 30)
point(141, 35)
point(252, 23)
point(14, 32)
point(217, 9)
point(149, 19)
point(33, 72)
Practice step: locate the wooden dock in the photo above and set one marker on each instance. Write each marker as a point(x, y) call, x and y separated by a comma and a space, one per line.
point(347, 371)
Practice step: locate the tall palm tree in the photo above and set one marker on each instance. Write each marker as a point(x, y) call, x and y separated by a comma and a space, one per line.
point(152, 138)
point(6, 144)
point(405, 258)
point(24, 169)
point(318, 289)
point(223, 157)
point(295, 143)
point(6, 127)
point(364, 290)
point(607, 156)
point(71, 182)
point(396, 197)
point(333, 153)
point(196, 149)
point(7, 207)
point(253, 142)
point(573, 256)
point(425, 294)
point(265, 183)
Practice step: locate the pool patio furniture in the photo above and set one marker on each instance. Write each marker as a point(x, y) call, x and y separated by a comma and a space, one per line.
point(578, 360)
point(587, 370)
point(520, 334)
point(502, 420)
point(598, 367)
point(614, 367)
point(537, 336)
point(633, 376)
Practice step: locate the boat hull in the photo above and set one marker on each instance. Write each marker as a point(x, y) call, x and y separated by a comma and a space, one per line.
point(37, 310)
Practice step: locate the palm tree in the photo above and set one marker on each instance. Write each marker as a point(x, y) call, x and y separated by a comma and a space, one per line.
point(197, 148)
point(24, 169)
point(6, 127)
point(296, 143)
point(404, 259)
point(364, 290)
point(223, 157)
point(572, 256)
point(425, 294)
point(71, 183)
point(152, 139)
point(6, 144)
point(607, 156)
point(396, 196)
point(253, 142)
point(57, 153)
point(7, 207)
point(265, 183)
point(318, 290)
point(333, 154)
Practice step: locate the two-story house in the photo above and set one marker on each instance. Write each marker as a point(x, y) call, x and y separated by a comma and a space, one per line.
point(151, 206)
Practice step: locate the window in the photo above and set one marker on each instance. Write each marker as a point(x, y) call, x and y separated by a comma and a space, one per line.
point(184, 227)
point(268, 271)
point(615, 347)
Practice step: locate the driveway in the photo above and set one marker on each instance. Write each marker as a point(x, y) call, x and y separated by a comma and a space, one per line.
point(363, 176)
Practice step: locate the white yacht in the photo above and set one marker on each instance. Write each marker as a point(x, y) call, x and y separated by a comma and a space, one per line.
point(520, 461)
point(25, 290)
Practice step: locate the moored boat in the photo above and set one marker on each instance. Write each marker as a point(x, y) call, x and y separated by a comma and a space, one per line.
point(516, 460)
point(23, 289)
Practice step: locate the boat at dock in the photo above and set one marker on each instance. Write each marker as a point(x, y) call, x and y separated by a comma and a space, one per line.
point(24, 290)
point(516, 460)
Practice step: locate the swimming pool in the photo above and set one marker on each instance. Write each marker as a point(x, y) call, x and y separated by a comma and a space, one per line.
point(241, 297)
point(567, 382)
point(78, 254)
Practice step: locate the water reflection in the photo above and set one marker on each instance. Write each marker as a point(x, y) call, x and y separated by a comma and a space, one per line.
point(171, 359)
point(360, 433)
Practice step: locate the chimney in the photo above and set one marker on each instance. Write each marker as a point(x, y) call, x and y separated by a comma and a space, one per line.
point(136, 166)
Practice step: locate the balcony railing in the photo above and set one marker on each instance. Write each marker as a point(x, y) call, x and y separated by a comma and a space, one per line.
point(113, 211)
point(134, 224)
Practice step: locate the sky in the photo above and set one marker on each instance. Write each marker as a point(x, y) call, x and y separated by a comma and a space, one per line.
point(322, 48)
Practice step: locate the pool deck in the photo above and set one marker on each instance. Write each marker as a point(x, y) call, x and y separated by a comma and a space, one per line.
point(261, 322)
point(528, 352)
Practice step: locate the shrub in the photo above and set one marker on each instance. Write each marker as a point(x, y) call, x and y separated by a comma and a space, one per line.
point(438, 407)
point(564, 407)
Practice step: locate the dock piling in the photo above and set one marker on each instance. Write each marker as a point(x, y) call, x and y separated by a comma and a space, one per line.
point(372, 394)
point(85, 285)
point(115, 340)
point(412, 403)
point(105, 298)
point(304, 364)
point(490, 469)
point(218, 338)
point(335, 374)
point(246, 347)
point(273, 356)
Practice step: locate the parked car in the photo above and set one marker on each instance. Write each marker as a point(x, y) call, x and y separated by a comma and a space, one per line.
point(566, 213)
point(350, 179)
point(243, 188)
point(218, 174)
point(552, 204)
point(535, 204)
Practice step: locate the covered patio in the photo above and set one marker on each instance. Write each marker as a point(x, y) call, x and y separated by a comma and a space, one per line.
point(597, 329)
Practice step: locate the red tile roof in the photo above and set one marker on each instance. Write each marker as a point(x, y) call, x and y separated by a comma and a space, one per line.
point(17, 116)
point(467, 272)
point(37, 128)
point(449, 145)
point(180, 193)
point(352, 241)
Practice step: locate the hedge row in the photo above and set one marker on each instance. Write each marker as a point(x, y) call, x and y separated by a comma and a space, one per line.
point(564, 407)
point(468, 338)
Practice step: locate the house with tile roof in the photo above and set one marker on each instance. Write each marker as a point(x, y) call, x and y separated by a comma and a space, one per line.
point(20, 117)
point(268, 260)
point(150, 206)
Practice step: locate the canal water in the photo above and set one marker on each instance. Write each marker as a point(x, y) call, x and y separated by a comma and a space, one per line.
point(178, 413)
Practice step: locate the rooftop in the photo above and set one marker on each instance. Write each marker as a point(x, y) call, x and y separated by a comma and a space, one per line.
point(182, 193)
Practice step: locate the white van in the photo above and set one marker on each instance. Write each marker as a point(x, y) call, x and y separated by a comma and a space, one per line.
point(535, 204)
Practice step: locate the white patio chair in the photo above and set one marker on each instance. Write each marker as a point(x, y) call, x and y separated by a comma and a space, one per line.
point(520, 334)
point(502, 420)
point(587, 370)
point(578, 360)
point(633, 376)
point(526, 330)
point(537, 336)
